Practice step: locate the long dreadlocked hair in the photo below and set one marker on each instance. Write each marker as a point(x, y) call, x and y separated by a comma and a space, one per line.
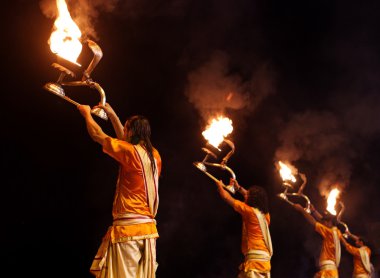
point(257, 198)
point(140, 128)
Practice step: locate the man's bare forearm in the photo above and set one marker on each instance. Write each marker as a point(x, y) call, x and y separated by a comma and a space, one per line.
point(307, 216)
point(94, 130)
point(224, 194)
point(243, 192)
point(117, 126)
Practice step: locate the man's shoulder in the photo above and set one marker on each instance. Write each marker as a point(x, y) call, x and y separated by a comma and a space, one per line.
point(156, 152)
point(119, 143)
point(241, 206)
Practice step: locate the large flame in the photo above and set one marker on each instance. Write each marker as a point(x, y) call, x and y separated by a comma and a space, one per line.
point(217, 130)
point(64, 40)
point(331, 201)
point(286, 172)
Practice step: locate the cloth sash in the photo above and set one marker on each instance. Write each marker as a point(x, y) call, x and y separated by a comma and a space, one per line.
point(264, 230)
point(361, 276)
point(365, 259)
point(257, 255)
point(127, 219)
point(150, 179)
point(327, 265)
point(337, 245)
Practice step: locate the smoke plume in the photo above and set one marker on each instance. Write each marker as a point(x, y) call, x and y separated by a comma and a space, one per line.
point(213, 88)
point(83, 12)
point(319, 138)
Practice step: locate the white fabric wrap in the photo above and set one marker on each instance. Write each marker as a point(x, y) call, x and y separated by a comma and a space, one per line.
point(337, 245)
point(365, 259)
point(127, 219)
point(264, 230)
point(150, 179)
point(327, 265)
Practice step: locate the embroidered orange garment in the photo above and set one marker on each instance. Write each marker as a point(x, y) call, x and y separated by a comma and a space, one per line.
point(358, 264)
point(130, 195)
point(327, 250)
point(252, 237)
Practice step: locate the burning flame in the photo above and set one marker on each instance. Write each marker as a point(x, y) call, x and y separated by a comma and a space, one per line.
point(331, 201)
point(217, 130)
point(286, 172)
point(64, 40)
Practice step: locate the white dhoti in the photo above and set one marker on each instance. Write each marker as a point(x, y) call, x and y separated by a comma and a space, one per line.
point(254, 274)
point(127, 259)
point(130, 259)
point(133, 258)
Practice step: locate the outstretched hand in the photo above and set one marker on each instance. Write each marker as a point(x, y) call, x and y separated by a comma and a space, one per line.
point(107, 108)
point(85, 110)
point(234, 182)
point(312, 208)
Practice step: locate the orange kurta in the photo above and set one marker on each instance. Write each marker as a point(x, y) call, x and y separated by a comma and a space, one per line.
point(252, 237)
point(130, 195)
point(358, 264)
point(328, 249)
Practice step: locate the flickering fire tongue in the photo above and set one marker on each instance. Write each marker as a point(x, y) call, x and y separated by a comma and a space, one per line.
point(65, 38)
point(65, 42)
point(217, 130)
point(331, 200)
point(287, 173)
point(216, 133)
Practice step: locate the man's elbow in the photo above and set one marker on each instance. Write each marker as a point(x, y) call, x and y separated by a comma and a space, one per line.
point(99, 137)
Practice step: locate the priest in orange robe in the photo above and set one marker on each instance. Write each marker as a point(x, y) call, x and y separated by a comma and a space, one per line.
point(129, 247)
point(256, 244)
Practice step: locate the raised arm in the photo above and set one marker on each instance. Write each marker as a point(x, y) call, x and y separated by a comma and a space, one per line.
point(345, 243)
point(354, 237)
point(94, 130)
point(308, 217)
point(239, 188)
point(117, 125)
point(224, 194)
point(350, 249)
point(315, 213)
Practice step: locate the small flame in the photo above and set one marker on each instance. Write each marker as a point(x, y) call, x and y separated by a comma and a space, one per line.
point(331, 201)
point(217, 130)
point(64, 40)
point(286, 172)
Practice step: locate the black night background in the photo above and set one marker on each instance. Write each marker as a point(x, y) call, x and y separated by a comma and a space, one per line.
point(299, 79)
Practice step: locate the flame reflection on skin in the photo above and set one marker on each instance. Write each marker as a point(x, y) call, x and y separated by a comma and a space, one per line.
point(65, 38)
point(217, 130)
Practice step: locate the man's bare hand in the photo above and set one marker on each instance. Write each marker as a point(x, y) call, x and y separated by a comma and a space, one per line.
point(107, 108)
point(298, 207)
point(85, 110)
